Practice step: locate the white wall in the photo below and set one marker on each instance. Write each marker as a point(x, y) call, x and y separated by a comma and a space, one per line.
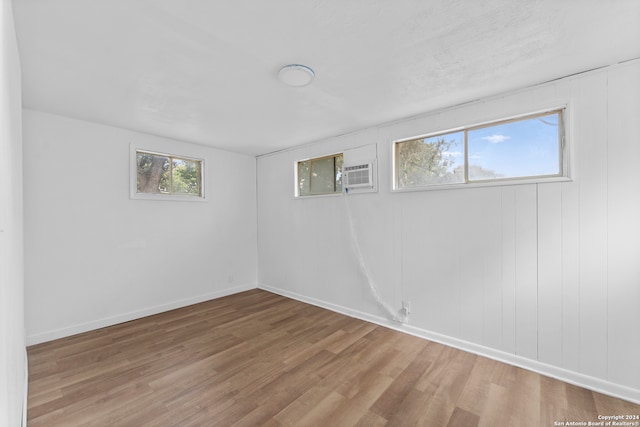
point(95, 257)
point(12, 336)
point(545, 276)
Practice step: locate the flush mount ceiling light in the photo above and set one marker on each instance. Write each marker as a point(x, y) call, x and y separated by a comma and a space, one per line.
point(296, 75)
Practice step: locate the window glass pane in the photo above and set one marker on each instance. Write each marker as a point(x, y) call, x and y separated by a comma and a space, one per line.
point(186, 177)
point(304, 183)
point(323, 176)
point(338, 173)
point(515, 149)
point(153, 173)
point(165, 174)
point(431, 161)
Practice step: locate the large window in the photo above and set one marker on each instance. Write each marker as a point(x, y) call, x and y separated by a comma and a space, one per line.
point(522, 148)
point(164, 174)
point(322, 175)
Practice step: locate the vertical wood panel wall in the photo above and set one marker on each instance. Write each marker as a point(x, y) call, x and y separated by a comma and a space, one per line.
point(623, 226)
point(548, 273)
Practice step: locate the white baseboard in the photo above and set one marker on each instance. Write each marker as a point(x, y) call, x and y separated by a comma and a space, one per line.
point(572, 377)
point(125, 317)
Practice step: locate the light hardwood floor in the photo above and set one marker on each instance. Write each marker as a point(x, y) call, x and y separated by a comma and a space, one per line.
point(259, 359)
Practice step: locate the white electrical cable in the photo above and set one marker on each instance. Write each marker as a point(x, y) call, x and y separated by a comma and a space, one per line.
point(400, 316)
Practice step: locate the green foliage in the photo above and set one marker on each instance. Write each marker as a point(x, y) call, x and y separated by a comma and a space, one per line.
point(423, 163)
point(186, 177)
point(167, 175)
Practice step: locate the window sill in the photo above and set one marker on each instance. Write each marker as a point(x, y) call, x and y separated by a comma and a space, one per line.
point(167, 197)
point(510, 182)
point(315, 196)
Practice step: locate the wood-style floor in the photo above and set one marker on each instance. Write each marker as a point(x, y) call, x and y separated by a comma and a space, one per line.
point(259, 359)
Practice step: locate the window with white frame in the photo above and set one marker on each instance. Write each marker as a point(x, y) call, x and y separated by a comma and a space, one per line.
point(168, 175)
point(318, 176)
point(527, 147)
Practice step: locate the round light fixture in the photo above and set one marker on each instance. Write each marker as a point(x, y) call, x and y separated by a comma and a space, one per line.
point(296, 75)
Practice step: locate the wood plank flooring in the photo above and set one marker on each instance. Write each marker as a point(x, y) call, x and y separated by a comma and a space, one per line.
point(259, 359)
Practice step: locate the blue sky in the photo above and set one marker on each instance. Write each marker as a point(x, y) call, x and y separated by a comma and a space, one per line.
point(515, 149)
point(522, 148)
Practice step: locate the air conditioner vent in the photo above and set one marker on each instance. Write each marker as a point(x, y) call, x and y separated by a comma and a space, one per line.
point(358, 176)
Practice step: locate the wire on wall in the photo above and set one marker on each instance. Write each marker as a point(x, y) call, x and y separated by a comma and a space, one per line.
point(399, 316)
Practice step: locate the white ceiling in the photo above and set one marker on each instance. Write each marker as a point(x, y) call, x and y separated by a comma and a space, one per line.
point(205, 71)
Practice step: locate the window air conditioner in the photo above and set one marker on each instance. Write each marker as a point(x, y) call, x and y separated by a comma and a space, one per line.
point(358, 176)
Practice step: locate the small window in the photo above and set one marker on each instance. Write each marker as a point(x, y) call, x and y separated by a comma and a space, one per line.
point(522, 148)
point(322, 175)
point(164, 174)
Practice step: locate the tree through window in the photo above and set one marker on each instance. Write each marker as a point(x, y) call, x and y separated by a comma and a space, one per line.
point(166, 174)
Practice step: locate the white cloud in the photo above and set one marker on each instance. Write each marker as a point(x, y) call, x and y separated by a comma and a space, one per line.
point(496, 138)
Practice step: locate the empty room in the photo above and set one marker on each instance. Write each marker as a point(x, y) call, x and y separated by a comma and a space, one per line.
point(298, 213)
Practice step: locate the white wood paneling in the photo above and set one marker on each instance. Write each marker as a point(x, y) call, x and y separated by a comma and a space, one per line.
point(526, 271)
point(623, 238)
point(570, 276)
point(492, 259)
point(473, 248)
point(550, 273)
point(508, 217)
point(543, 272)
point(431, 262)
point(570, 223)
point(591, 136)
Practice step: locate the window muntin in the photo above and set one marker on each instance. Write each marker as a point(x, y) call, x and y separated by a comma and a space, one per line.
point(322, 175)
point(165, 174)
point(526, 147)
